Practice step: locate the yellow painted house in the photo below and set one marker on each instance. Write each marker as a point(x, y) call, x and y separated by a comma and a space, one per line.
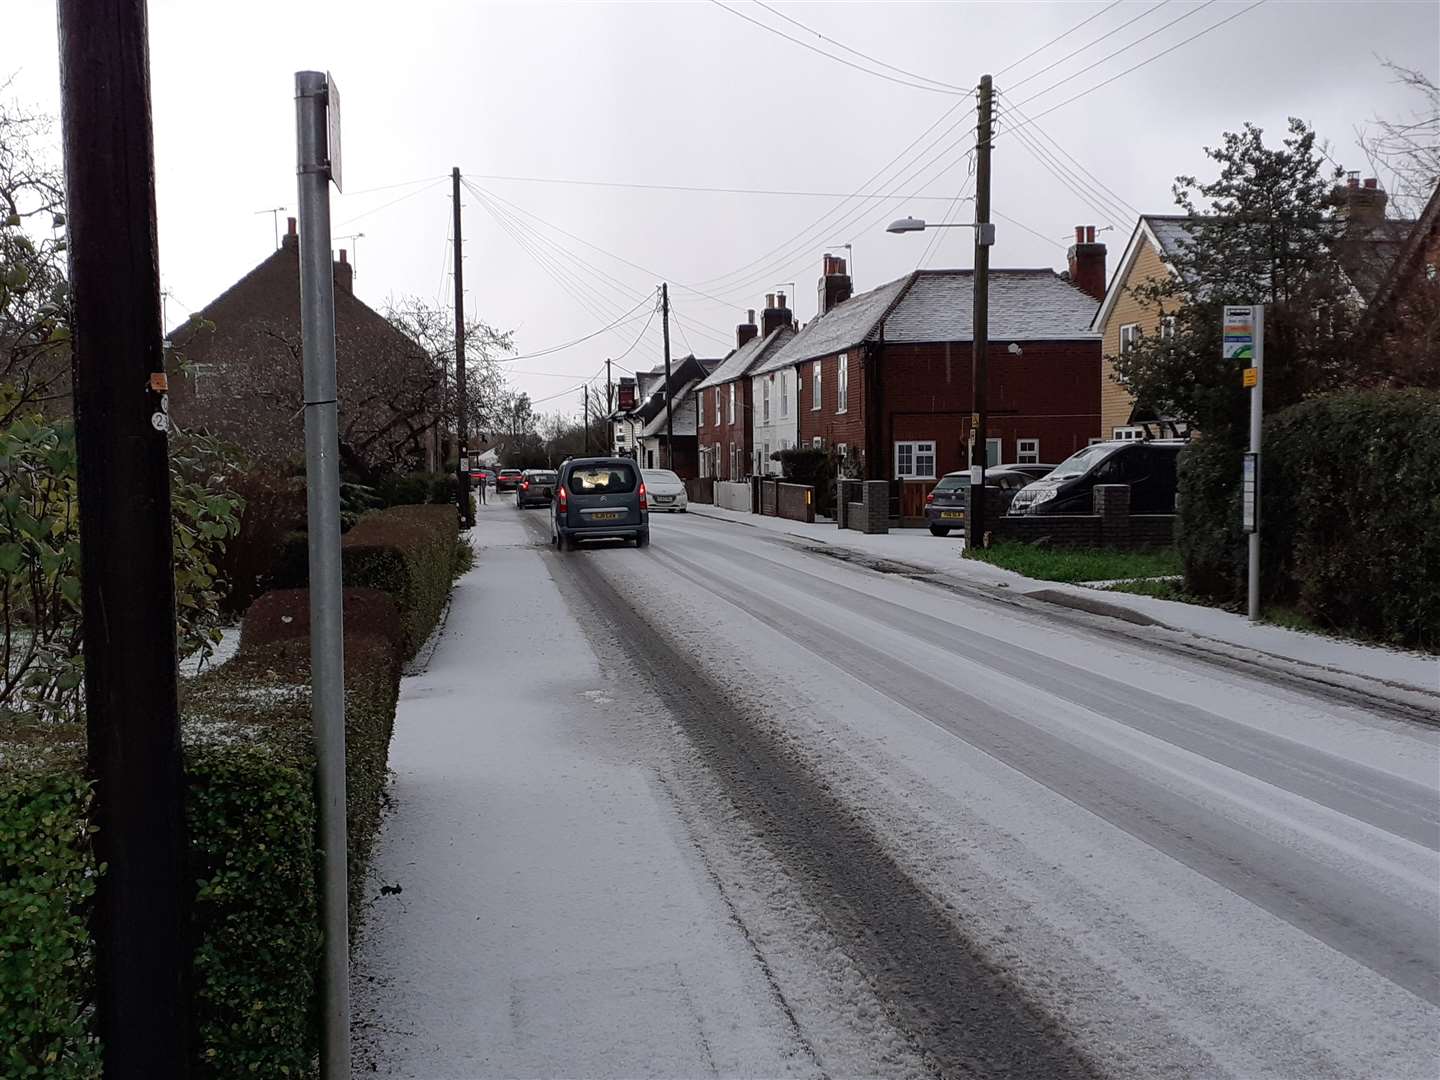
point(1122, 317)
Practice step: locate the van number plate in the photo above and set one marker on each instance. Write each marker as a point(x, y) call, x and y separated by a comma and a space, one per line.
point(606, 517)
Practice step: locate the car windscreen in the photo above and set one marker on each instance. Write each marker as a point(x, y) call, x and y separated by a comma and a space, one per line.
point(1082, 461)
point(952, 483)
point(660, 476)
point(602, 480)
point(542, 477)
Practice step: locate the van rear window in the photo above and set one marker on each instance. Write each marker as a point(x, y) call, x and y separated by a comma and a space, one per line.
point(606, 480)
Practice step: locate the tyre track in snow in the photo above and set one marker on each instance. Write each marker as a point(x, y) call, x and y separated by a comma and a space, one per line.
point(1396, 939)
point(967, 1018)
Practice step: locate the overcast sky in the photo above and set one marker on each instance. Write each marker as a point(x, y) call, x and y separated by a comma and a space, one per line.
point(690, 94)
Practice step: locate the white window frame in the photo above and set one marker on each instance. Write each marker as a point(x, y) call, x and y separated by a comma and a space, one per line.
point(1128, 433)
point(1167, 327)
point(732, 403)
point(1129, 335)
point(816, 379)
point(1027, 451)
point(915, 450)
point(717, 406)
point(842, 383)
point(842, 450)
point(784, 396)
point(765, 402)
point(1093, 440)
point(817, 443)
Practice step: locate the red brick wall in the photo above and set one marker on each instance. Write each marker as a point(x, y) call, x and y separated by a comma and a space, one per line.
point(1050, 392)
point(827, 422)
point(726, 433)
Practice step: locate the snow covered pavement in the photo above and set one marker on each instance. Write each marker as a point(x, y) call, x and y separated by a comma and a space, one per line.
point(803, 817)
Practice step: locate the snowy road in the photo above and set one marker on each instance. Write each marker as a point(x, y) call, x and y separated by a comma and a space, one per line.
point(1044, 849)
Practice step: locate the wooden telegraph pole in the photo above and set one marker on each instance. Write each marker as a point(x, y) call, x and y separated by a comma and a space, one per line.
point(462, 422)
point(128, 580)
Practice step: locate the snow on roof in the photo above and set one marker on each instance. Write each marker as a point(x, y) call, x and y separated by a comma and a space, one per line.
point(1025, 305)
point(683, 408)
point(842, 326)
point(739, 362)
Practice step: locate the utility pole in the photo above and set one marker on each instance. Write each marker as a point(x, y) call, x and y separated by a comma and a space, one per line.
point(609, 410)
point(587, 417)
point(317, 116)
point(984, 238)
point(669, 418)
point(127, 574)
point(467, 514)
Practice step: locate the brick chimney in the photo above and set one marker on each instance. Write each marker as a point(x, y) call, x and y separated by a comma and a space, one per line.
point(1087, 262)
point(775, 315)
point(345, 274)
point(835, 286)
point(1362, 203)
point(746, 330)
point(291, 239)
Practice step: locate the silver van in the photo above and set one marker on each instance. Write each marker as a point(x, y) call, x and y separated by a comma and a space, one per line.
point(599, 499)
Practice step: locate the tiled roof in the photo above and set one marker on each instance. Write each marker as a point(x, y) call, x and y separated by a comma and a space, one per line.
point(842, 326)
point(938, 305)
point(739, 362)
point(1025, 305)
point(683, 420)
point(1170, 230)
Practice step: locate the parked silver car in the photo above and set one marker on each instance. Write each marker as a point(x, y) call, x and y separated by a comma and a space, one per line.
point(666, 490)
point(599, 498)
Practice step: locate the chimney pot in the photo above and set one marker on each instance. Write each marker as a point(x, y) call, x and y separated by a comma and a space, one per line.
point(1089, 234)
point(1352, 181)
point(1087, 263)
point(343, 257)
point(290, 225)
point(769, 299)
point(1079, 234)
point(1371, 183)
point(780, 300)
point(750, 315)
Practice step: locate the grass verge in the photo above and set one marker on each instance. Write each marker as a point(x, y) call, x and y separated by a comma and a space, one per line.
point(1078, 564)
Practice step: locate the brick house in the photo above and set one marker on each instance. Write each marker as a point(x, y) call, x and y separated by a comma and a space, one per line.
point(235, 371)
point(644, 426)
point(724, 402)
point(884, 378)
point(1404, 311)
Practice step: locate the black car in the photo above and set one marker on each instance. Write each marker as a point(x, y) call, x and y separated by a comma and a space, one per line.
point(1147, 466)
point(599, 498)
point(945, 505)
point(508, 479)
point(536, 488)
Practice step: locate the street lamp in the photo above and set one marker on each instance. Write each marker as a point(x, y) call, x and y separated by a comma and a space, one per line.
point(984, 240)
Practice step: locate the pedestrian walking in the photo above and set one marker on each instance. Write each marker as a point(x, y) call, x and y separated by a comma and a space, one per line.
point(482, 485)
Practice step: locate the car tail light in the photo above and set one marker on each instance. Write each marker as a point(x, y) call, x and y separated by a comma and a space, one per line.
point(930, 498)
point(524, 485)
point(562, 499)
point(644, 497)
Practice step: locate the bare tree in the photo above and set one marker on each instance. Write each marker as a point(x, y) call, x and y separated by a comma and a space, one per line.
point(1406, 151)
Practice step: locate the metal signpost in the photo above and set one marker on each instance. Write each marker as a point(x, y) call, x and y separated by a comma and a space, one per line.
point(317, 124)
point(1243, 338)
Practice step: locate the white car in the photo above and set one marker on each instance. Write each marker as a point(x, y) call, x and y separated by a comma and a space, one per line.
point(666, 491)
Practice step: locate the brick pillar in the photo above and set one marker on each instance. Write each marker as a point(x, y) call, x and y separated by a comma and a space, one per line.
point(1112, 507)
point(877, 506)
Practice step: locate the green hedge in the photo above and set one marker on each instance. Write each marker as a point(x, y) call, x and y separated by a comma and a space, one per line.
point(1350, 514)
point(47, 878)
point(408, 552)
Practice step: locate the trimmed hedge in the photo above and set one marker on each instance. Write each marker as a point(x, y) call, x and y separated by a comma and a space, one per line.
point(1350, 514)
point(284, 615)
point(47, 879)
point(408, 552)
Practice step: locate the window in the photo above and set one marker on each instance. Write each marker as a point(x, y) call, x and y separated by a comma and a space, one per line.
point(607, 480)
point(1093, 440)
point(842, 450)
point(765, 459)
point(717, 406)
point(732, 403)
point(842, 384)
point(816, 370)
point(199, 375)
point(914, 460)
point(715, 461)
point(1027, 451)
point(1129, 336)
point(817, 443)
point(1129, 433)
point(733, 473)
point(1167, 328)
point(765, 400)
point(784, 395)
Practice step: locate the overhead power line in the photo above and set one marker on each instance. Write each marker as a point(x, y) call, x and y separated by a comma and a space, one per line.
point(863, 56)
point(702, 188)
point(1036, 129)
point(1109, 33)
point(392, 202)
point(628, 317)
point(831, 56)
point(1059, 37)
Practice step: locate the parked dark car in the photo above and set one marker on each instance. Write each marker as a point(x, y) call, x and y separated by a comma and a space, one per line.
point(1147, 466)
point(536, 488)
point(599, 498)
point(508, 479)
point(945, 505)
